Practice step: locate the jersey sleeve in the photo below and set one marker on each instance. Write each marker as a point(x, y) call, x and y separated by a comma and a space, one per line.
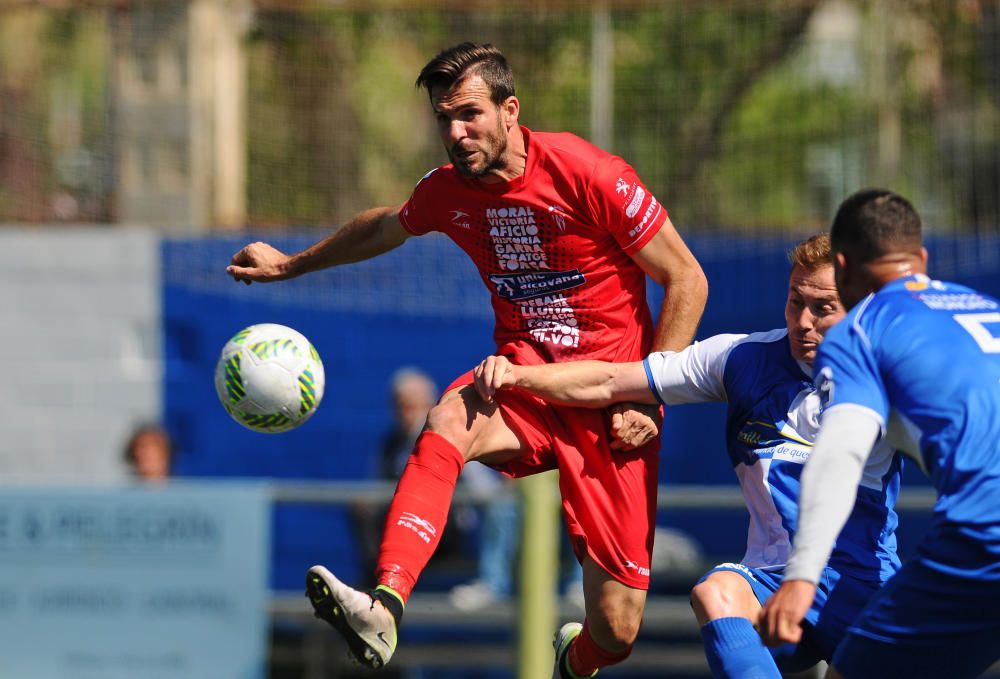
point(694, 375)
point(847, 371)
point(624, 205)
point(416, 215)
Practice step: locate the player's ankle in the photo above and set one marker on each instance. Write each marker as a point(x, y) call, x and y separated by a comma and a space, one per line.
point(391, 600)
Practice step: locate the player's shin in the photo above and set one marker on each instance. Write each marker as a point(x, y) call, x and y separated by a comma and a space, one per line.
point(734, 649)
point(418, 512)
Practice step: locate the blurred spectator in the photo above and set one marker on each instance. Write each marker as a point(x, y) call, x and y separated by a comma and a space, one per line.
point(149, 453)
point(496, 524)
point(499, 539)
point(413, 394)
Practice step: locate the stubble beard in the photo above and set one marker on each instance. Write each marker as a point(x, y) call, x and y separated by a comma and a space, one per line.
point(495, 154)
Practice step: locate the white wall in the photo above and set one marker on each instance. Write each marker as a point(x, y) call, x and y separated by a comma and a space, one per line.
point(80, 349)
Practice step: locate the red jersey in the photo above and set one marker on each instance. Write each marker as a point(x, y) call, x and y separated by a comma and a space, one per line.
point(554, 248)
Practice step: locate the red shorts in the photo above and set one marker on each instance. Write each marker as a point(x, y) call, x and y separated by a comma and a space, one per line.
point(608, 497)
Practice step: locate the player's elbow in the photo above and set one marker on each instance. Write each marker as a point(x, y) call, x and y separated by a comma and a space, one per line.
point(682, 272)
point(695, 284)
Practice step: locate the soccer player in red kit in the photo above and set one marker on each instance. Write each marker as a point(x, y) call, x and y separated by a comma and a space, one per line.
point(563, 235)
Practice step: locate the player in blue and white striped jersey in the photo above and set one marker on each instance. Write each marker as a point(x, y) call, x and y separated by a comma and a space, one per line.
point(916, 363)
point(772, 421)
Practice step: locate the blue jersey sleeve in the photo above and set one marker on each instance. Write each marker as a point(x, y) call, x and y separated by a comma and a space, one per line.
point(847, 371)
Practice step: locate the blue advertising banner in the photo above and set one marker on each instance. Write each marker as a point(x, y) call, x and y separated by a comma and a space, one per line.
point(159, 583)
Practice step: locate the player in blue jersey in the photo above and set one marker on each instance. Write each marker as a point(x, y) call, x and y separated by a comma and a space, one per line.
point(773, 417)
point(916, 363)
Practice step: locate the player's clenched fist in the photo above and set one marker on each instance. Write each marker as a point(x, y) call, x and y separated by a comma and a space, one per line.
point(493, 373)
point(259, 262)
point(780, 620)
point(634, 424)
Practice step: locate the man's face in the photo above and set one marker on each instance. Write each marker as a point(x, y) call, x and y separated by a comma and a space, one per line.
point(414, 398)
point(473, 129)
point(813, 307)
point(151, 453)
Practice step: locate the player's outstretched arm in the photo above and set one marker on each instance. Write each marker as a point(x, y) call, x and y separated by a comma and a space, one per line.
point(366, 235)
point(590, 384)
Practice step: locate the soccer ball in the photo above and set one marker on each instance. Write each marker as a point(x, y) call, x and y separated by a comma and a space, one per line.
point(269, 378)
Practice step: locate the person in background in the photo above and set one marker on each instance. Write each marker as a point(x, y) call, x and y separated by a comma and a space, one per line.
point(413, 394)
point(149, 453)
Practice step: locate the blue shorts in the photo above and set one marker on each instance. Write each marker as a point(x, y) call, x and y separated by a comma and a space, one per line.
point(839, 600)
point(924, 623)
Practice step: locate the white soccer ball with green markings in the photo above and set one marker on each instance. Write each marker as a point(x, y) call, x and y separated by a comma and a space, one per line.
point(269, 378)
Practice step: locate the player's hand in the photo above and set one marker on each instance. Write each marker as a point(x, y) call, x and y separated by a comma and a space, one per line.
point(780, 621)
point(634, 424)
point(493, 373)
point(259, 262)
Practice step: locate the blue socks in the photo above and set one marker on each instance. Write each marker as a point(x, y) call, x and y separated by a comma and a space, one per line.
point(734, 650)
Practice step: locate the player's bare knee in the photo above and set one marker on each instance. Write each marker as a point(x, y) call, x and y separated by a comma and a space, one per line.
point(707, 598)
point(451, 419)
point(616, 626)
point(622, 633)
point(717, 598)
point(627, 630)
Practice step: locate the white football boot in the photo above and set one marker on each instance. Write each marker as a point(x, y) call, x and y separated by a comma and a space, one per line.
point(366, 625)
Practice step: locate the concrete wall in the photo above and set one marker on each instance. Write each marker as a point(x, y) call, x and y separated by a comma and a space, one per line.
point(80, 354)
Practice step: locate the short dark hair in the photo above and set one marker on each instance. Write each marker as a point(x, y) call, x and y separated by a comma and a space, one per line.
point(875, 222)
point(458, 62)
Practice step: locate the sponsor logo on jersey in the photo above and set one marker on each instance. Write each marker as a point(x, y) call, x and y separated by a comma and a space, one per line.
point(763, 442)
point(535, 284)
point(516, 243)
point(957, 302)
point(424, 529)
point(647, 218)
point(535, 289)
point(510, 216)
point(635, 197)
point(635, 203)
point(460, 218)
point(633, 566)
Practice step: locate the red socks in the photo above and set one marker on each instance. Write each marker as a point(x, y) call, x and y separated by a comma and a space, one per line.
point(586, 657)
point(418, 512)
